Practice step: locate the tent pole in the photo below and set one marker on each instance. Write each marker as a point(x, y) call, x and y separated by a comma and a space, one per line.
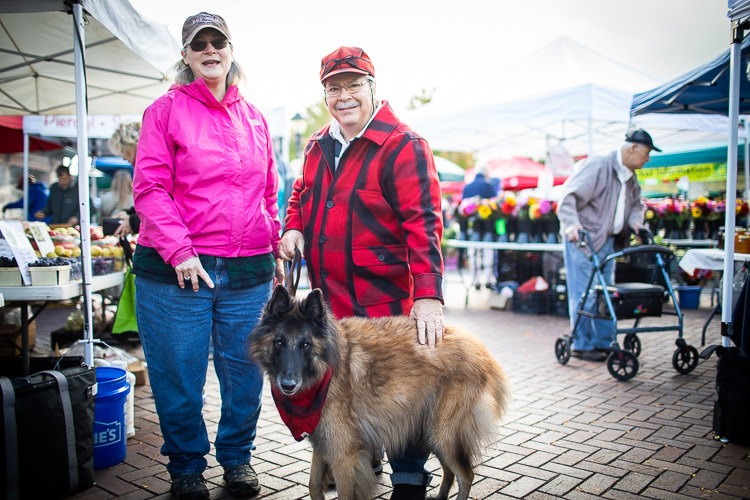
point(731, 198)
point(83, 182)
point(25, 175)
point(747, 167)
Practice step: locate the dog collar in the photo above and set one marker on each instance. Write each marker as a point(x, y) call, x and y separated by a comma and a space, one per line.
point(301, 412)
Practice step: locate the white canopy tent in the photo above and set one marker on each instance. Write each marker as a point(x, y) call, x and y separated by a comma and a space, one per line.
point(48, 66)
point(565, 91)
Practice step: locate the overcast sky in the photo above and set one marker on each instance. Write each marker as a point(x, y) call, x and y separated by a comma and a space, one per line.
point(446, 45)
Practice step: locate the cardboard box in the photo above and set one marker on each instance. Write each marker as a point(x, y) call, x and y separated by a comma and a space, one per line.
point(49, 276)
point(10, 276)
point(139, 370)
point(6, 348)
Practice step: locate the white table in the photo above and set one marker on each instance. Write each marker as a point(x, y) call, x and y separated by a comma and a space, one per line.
point(708, 258)
point(24, 295)
point(713, 259)
point(498, 245)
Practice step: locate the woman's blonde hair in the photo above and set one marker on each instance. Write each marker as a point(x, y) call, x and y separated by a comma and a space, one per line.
point(125, 138)
point(122, 185)
point(185, 75)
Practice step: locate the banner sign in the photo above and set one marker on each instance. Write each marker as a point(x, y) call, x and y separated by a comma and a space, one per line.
point(700, 172)
point(99, 126)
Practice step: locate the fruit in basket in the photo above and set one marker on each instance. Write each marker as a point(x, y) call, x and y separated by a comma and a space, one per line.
point(106, 252)
point(76, 252)
point(51, 255)
point(96, 251)
point(117, 252)
point(74, 323)
point(59, 250)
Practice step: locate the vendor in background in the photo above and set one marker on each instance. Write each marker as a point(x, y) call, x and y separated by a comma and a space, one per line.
point(38, 194)
point(125, 143)
point(205, 189)
point(62, 203)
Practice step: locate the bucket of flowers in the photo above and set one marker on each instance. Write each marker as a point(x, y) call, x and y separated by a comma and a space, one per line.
point(694, 282)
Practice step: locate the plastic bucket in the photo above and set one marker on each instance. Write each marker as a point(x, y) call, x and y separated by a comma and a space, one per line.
point(690, 296)
point(110, 439)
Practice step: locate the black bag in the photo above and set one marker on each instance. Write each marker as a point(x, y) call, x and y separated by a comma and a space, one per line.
point(732, 405)
point(48, 433)
point(632, 300)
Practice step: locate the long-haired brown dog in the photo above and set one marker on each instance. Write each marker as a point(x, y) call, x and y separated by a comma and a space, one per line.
point(385, 389)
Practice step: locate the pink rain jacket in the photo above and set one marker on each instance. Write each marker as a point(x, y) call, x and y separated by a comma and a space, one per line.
point(205, 178)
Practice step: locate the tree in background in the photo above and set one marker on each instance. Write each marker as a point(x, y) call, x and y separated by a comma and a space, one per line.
point(423, 98)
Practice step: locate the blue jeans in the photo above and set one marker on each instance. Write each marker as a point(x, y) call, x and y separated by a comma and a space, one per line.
point(175, 327)
point(408, 467)
point(591, 333)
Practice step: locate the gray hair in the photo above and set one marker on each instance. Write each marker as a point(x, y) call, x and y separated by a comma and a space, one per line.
point(185, 75)
point(125, 138)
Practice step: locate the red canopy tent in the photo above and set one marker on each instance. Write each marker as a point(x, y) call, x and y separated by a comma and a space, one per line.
point(11, 137)
point(517, 173)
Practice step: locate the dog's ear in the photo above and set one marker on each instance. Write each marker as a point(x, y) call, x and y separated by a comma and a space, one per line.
point(314, 307)
point(280, 303)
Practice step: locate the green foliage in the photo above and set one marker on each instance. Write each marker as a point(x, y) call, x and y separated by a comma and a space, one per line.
point(423, 98)
point(316, 117)
point(463, 160)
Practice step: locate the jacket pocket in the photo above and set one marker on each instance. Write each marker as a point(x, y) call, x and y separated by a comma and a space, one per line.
point(381, 274)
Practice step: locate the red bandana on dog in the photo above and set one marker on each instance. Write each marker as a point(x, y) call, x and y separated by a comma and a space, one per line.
point(301, 412)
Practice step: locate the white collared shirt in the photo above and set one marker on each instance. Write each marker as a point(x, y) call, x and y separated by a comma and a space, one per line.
point(623, 174)
point(335, 132)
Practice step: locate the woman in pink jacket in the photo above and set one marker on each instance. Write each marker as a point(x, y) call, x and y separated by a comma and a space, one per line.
point(205, 190)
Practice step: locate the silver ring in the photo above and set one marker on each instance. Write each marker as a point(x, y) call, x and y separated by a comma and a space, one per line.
point(186, 278)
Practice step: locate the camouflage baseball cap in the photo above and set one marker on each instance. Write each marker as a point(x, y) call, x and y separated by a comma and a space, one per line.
point(194, 24)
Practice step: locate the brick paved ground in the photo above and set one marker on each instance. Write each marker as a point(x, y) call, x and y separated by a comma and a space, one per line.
point(573, 431)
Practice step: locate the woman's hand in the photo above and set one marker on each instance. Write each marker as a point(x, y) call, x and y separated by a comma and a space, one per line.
point(124, 228)
point(189, 271)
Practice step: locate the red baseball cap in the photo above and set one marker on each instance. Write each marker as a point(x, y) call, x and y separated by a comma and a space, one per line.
point(346, 60)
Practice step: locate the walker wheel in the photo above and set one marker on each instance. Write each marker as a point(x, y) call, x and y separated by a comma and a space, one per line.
point(622, 365)
point(632, 343)
point(562, 350)
point(685, 359)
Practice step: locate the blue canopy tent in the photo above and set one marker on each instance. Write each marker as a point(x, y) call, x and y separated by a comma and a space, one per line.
point(716, 87)
point(702, 90)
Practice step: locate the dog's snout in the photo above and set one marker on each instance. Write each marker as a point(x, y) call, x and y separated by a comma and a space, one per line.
point(288, 385)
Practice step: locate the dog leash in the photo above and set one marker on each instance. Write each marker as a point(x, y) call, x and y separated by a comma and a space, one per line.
point(293, 267)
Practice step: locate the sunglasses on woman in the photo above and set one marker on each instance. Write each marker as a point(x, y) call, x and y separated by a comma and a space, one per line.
point(200, 45)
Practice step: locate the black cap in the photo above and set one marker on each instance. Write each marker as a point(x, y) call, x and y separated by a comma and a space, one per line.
point(640, 136)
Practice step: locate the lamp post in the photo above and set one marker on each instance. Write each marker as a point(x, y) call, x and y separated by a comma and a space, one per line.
point(299, 126)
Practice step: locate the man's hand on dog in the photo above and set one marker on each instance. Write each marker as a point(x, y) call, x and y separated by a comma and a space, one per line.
point(291, 239)
point(429, 316)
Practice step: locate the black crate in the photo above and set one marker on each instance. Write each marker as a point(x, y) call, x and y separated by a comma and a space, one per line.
point(529, 302)
point(632, 300)
point(557, 303)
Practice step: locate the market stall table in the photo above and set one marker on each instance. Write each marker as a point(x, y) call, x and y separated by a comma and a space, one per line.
point(711, 259)
point(690, 243)
point(24, 295)
point(497, 245)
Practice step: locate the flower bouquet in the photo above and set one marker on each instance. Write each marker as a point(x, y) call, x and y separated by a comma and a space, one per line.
point(697, 278)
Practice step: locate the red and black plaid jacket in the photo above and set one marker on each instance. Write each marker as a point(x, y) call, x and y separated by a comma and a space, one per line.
point(373, 226)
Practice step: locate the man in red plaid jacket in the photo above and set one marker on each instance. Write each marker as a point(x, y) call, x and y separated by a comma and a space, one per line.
point(366, 213)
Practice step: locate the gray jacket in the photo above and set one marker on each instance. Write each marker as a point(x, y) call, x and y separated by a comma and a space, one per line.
point(589, 199)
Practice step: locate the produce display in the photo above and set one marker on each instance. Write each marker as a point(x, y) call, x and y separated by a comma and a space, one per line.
point(106, 252)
